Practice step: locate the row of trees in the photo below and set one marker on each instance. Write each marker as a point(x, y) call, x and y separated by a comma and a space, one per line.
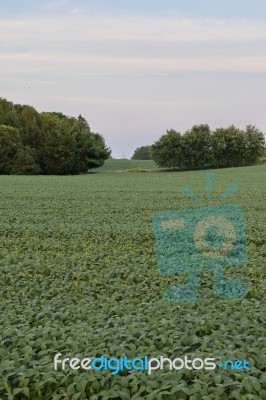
point(47, 143)
point(200, 147)
point(142, 153)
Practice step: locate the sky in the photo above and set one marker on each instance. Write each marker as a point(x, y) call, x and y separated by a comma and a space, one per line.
point(135, 68)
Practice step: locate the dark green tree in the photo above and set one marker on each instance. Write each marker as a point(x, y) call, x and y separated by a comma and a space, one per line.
point(168, 151)
point(15, 158)
point(69, 147)
point(98, 152)
point(197, 146)
point(8, 114)
point(30, 128)
point(254, 144)
point(90, 148)
point(142, 153)
point(47, 143)
point(57, 150)
point(228, 147)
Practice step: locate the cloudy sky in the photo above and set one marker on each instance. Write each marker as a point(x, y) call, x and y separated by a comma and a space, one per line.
point(134, 68)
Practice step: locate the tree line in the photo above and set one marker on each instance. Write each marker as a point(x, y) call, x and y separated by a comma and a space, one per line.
point(200, 147)
point(47, 142)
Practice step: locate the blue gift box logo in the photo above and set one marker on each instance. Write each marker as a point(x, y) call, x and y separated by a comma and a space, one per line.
point(201, 238)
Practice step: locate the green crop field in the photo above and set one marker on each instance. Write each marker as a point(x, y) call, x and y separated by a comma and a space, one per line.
point(125, 165)
point(79, 276)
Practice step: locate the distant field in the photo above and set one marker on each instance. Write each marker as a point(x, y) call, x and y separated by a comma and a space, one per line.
point(122, 165)
point(127, 165)
point(79, 276)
